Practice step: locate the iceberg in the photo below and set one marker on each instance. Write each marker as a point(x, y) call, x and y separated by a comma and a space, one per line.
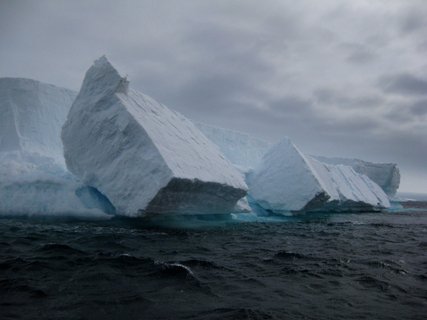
point(386, 175)
point(246, 151)
point(146, 158)
point(33, 177)
point(288, 181)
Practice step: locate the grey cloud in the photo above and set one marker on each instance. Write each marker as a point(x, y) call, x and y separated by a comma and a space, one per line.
point(361, 56)
point(328, 96)
point(419, 108)
point(212, 91)
point(408, 111)
point(358, 53)
point(404, 83)
point(397, 115)
point(413, 21)
point(291, 105)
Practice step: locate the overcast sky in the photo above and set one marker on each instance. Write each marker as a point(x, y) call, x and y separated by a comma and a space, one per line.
point(340, 78)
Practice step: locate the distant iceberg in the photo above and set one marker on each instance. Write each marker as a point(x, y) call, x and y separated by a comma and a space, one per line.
point(386, 175)
point(144, 157)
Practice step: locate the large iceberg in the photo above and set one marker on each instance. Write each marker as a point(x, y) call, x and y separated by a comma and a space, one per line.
point(288, 181)
point(246, 151)
point(242, 149)
point(33, 177)
point(386, 175)
point(143, 156)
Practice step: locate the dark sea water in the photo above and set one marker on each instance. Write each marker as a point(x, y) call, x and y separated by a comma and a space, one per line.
point(340, 266)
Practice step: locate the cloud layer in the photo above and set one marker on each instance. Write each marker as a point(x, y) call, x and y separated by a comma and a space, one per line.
point(342, 78)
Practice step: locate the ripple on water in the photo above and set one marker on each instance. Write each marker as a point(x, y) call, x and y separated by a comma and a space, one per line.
point(368, 266)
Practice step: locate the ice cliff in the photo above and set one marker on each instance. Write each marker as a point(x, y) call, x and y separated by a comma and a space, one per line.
point(33, 177)
point(242, 149)
point(288, 181)
point(32, 116)
point(143, 156)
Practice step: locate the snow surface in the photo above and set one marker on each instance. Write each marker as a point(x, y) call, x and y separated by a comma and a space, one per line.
point(386, 175)
point(33, 177)
point(242, 149)
point(32, 116)
point(288, 181)
point(143, 156)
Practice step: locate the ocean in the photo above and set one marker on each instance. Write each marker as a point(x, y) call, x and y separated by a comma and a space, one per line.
point(322, 266)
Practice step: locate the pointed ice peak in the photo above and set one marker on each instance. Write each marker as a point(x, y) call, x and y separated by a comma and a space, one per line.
point(286, 141)
point(104, 64)
point(103, 78)
point(102, 60)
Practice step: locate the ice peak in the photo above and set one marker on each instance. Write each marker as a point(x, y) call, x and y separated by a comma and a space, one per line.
point(103, 78)
point(285, 141)
point(102, 60)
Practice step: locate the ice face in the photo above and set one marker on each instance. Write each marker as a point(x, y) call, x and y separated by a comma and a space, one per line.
point(35, 185)
point(143, 156)
point(33, 177)
point(348, 189)
point(242, 149)
point(386, 175)
point(288, 181)
point(283, 181)
point(32, 116)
